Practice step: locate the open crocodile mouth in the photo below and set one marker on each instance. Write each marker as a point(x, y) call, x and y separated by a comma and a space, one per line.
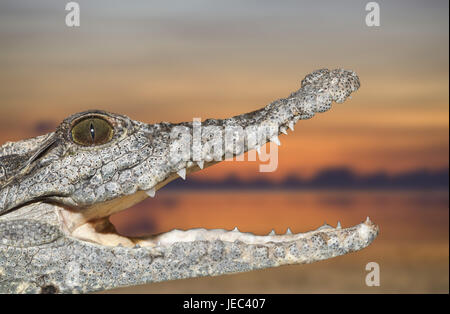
point(93, 225)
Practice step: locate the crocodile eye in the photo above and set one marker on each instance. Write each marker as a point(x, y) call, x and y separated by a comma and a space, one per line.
point(92, 131)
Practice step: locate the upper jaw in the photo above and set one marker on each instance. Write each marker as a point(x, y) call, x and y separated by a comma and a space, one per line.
point(91, 183)
point(142, 157)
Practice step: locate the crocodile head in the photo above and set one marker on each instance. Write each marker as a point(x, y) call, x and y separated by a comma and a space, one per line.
point(97, 163)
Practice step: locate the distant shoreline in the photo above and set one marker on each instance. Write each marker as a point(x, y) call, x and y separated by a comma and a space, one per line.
point(335, 179)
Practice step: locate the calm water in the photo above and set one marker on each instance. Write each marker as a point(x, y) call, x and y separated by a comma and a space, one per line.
point(412, 247)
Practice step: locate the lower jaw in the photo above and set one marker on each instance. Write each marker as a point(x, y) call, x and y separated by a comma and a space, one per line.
point(102, 232)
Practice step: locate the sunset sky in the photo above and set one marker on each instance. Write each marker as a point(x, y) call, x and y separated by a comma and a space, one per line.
point(155, 61)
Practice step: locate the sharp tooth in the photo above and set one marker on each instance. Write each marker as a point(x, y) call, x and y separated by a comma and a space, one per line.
point(258, 149)
point(283, 130)
point(325, 226)
point(271, 233)
point(235, 229)
point(200, 164)
point(189, 164)
point(288, 231)
point(338, 225)
point(151, 192)
point(275, 140)
point(182, 173)
point(291, 125)
point(367, 220)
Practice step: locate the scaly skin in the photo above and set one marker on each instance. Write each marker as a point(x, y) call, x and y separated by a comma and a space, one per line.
point(56, 197)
